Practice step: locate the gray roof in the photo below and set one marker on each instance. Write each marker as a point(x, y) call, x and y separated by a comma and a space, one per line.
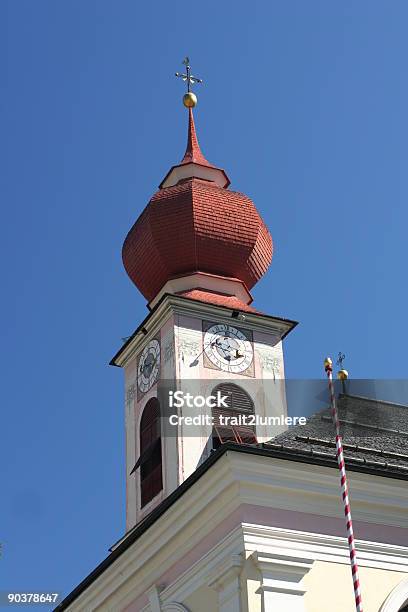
point(374, 433)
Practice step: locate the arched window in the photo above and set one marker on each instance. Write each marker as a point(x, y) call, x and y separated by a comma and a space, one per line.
point(150, 460)
point(233, 423)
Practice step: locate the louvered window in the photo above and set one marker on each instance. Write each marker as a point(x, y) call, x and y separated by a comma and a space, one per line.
point(239, 405)
point(150, 460)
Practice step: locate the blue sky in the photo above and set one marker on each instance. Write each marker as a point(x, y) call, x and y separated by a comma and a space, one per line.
point(304, 104)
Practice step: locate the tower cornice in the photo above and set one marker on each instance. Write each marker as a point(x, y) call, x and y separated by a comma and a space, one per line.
point(170, 304)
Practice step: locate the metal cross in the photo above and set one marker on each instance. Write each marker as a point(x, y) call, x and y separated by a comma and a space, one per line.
point(188, 77)
point(340, 358)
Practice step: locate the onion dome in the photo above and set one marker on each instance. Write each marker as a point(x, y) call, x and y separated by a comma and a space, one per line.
point(195, 235)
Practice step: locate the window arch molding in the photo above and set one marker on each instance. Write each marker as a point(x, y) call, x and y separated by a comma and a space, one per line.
point(397, 598)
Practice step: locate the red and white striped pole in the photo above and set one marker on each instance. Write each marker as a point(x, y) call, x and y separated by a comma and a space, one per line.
point(328, 366)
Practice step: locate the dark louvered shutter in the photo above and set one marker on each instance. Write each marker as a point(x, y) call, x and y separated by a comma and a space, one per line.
point(239, 403)
point(237, 398)
point(150, 460)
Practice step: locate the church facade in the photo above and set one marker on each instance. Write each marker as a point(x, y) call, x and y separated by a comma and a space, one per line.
point(228, 510)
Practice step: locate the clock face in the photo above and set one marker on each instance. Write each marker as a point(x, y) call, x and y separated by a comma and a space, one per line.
point(149, 366)
point(228, 348)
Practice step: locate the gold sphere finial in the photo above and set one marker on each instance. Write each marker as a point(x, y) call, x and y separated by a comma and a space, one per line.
point(342, 375)
point(328, 363)
point(190, 100)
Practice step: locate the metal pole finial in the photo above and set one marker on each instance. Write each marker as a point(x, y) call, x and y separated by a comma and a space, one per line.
point(342, 374)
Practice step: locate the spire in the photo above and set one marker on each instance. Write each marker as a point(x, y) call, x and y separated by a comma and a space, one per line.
point(193, 152)
point(193, 164)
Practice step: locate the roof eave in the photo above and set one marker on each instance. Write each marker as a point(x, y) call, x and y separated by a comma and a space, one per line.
point(227, 181)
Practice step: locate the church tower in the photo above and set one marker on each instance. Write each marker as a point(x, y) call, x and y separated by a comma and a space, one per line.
point(195, 253)
point(228, 509)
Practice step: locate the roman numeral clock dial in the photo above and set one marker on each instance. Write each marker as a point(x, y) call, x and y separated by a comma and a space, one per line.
point(228, 348)
point(148, 367)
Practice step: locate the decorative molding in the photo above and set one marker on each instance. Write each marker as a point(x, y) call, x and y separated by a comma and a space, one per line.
point(316, 490)
point(397, 598)
point(174, 606)
point(130, 393)
point(282, 573)
point(203, 570)
point(154, 599)
point(326, 548)
point(229, 569)
point(225, 580)
point(188, 347)
point(168, 351)
point(269, 363)
point(155, 605)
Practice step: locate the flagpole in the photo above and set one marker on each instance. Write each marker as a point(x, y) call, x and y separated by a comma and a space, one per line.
point(328, 366)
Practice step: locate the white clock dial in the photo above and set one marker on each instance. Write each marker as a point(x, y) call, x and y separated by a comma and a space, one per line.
point(149, 366)
point(228, 348)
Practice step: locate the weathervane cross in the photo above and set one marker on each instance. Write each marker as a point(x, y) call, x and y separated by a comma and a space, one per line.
point(188, 77)
point(340, 358)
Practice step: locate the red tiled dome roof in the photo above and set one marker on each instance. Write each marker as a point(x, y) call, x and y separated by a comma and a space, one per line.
point(196, 226)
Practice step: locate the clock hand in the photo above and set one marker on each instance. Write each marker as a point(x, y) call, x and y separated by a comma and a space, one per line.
point(205, 346)
point(219, 344)
point(225, 348)
point(148, 366)
point(233, 352)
